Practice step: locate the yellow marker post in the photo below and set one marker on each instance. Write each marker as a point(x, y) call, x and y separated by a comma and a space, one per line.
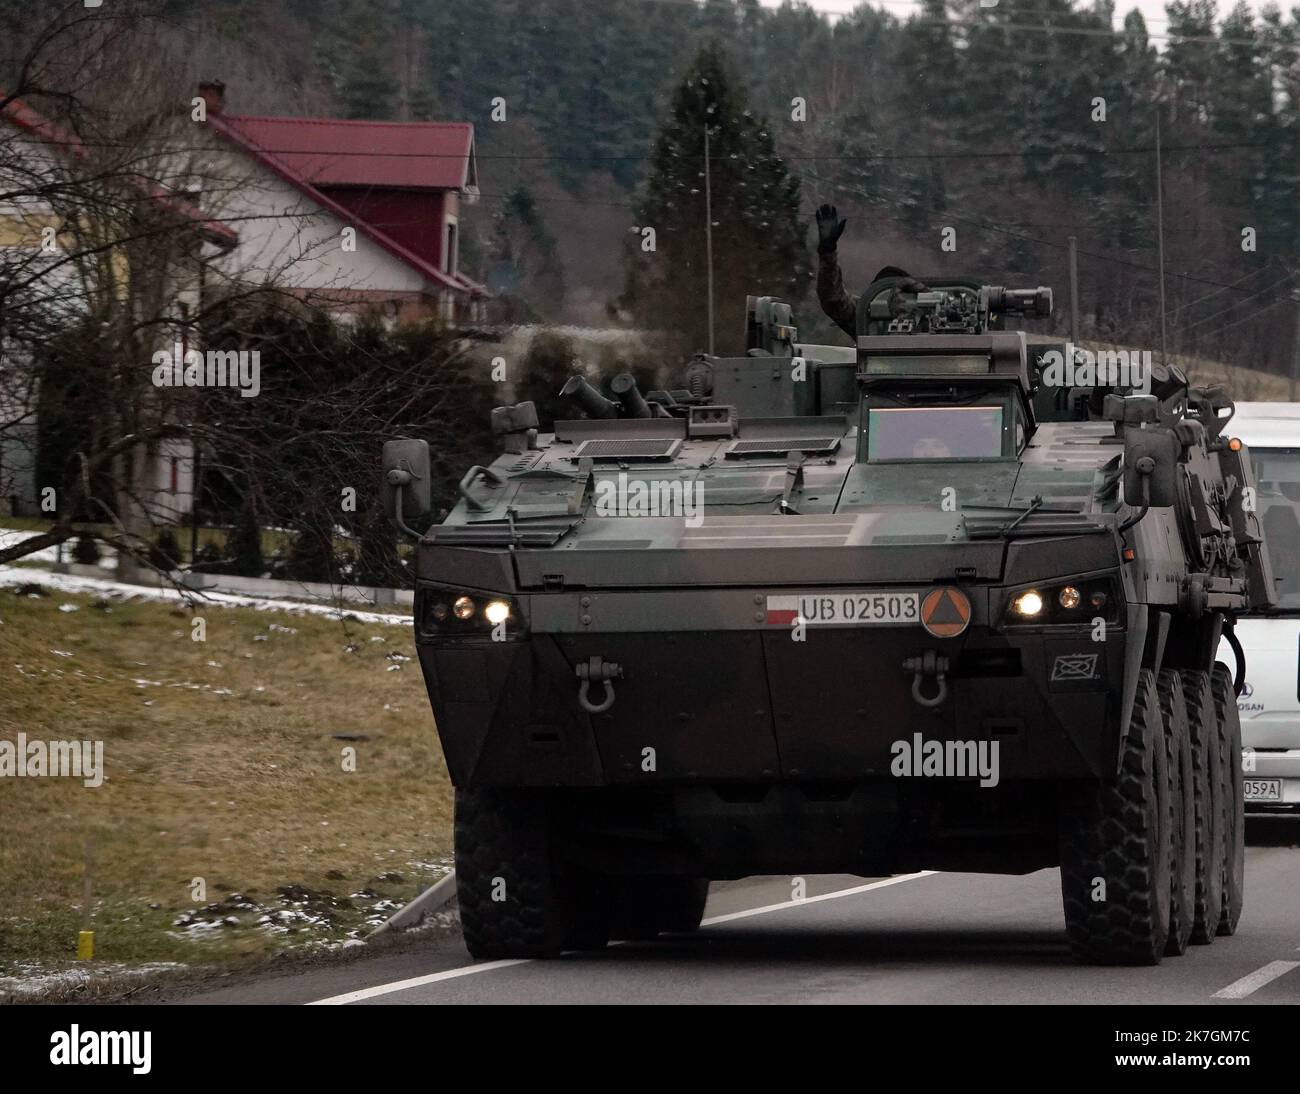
point(86, 937)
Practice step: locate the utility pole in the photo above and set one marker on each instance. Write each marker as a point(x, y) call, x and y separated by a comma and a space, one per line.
point(1160, 242)
point(708, 231)
point(1074, 291)
point(196, 476)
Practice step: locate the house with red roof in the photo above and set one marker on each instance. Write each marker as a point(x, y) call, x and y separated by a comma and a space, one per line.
point(356, 214)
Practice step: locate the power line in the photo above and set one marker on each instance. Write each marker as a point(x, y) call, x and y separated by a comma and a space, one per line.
point(1208, 295)
point(1132, 151)
point(1253, 315)
point(1236, 304)
point(561, 201)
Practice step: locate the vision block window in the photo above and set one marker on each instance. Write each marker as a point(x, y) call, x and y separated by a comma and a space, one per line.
point(934, 433)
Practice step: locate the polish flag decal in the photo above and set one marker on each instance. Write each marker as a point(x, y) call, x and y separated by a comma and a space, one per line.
point(782, 610)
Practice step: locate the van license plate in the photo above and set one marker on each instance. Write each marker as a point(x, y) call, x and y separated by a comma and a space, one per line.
point(1262, 790)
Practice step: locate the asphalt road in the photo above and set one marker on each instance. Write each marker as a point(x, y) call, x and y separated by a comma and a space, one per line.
point(925, 938)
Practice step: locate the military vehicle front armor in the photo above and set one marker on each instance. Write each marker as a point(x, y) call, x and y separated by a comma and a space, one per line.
point(919, 603)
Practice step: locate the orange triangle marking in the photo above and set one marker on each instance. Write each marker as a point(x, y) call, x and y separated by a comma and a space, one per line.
point(945, 612)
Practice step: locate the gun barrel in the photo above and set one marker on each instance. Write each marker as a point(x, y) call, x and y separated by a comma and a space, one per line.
point(592, 402)
point(624, 387)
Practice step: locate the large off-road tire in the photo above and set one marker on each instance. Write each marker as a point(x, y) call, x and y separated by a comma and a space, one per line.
point(517, 899)
point(642, 907)
point(1116, 849)
point(1182, 812)
point(1233, 812)
point(1207, 783)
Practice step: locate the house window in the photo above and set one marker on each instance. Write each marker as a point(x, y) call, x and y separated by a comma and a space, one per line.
point(449, 255)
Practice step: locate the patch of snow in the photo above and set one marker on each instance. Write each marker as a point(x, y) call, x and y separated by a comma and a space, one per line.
point(10, 537)
point(71, 583)
point(33, 980)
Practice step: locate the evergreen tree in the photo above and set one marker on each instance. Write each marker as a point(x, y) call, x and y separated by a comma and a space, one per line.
point(358, 55)
point(759, 242)
point(1189, 59)
point(244, 548)
point(378, 561)
point(1243, 105)
point(1279, 132)
point(165, 553)
point(311, 554)
point(526, 272)
point(86, 551)
point(927, 62)
point(1124, 215)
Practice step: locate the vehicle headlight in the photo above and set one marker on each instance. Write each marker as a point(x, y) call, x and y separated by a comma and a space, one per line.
point(459, 613)
point(1078, 601)
point(1028, 605)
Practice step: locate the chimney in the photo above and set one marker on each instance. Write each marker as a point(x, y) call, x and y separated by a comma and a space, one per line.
point(213, 93)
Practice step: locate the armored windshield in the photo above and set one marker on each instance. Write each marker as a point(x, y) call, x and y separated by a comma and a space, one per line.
point(934, 433)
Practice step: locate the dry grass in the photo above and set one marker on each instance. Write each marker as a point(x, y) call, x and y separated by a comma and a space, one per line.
point(220, 765)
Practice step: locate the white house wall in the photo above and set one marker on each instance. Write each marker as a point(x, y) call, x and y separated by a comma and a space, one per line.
point(288, 239)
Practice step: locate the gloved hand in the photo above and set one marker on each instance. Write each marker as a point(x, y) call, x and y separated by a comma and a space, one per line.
point(830, 226)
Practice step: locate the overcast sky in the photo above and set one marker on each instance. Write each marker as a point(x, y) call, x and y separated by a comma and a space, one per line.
point(1153, 11)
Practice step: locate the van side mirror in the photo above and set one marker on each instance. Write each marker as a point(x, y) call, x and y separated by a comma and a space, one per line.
point(408, 482)
point(1151, 467)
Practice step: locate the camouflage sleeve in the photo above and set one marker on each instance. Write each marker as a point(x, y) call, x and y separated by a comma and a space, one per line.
point(840, 306)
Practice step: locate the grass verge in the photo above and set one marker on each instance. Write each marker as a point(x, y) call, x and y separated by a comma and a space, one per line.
point(233, 820)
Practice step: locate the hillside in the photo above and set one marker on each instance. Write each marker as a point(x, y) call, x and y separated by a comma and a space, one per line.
point(1002, 129)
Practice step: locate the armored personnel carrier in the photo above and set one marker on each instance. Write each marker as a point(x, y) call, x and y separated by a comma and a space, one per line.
point(931, 601)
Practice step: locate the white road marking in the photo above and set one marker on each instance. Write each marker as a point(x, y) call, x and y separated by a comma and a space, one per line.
point(414, 982)
point(814, 899)
point(489, 966)
point(1247, 985)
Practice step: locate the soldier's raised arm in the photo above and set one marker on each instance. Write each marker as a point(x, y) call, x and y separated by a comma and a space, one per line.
point(839, 305)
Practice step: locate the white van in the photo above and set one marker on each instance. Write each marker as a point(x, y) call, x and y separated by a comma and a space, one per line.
point(1270, 701)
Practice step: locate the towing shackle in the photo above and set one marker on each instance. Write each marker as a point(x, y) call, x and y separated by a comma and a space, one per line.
point(927, 665)
point(594, 669)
